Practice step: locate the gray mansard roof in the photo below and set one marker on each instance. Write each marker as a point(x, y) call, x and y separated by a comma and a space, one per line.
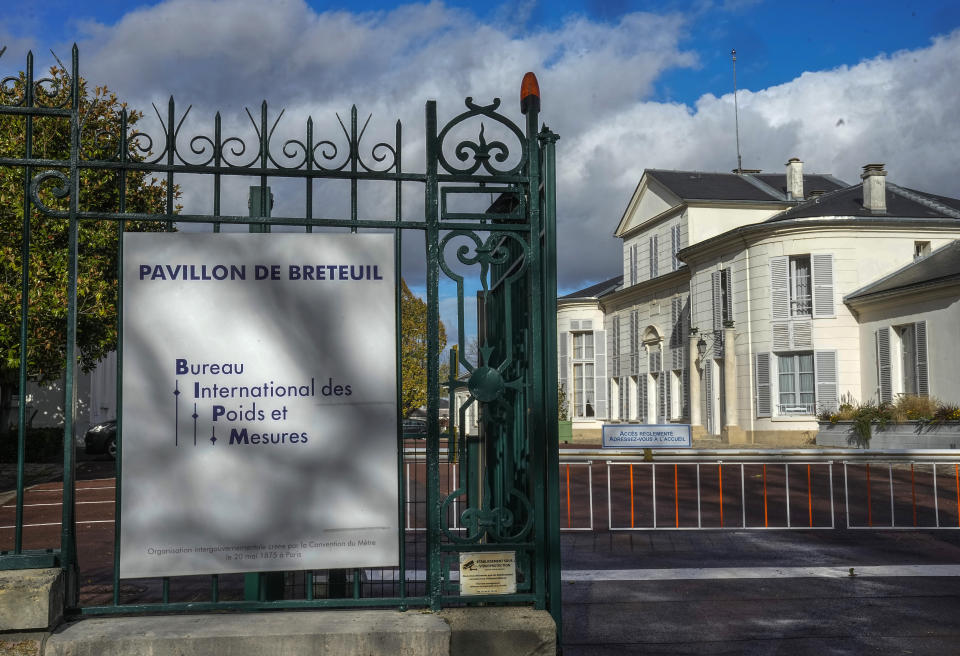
point(942, 265)
point(597, 290)
point(747, 186)
point(901, 202)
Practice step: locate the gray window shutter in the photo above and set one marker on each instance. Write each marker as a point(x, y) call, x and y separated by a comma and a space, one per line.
point(663, 385)
point(676, 333)
point(600, 373)
point(822, 264)
point(884, 380)
point(781, 335)
point(586, 324)
point(708, 393)
point(653, 257)
point(685, 409)
point(642, 400)
point(802, 335)
point(574, 324)
point(717, 299)
point(727, 278)
point(825, 373)
point(564, 362)
point(617, 347)
point(675, 245)
point(633, 264)
point(762, 376)
point(920, 335)
point(779, 288)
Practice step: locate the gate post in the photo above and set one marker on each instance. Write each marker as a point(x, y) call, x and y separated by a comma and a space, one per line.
point(548, 140)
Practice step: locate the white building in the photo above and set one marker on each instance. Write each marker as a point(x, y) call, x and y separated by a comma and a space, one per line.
point(750, 301)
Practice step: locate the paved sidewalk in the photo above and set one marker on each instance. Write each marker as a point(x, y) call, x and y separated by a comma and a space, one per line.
point(676, 592)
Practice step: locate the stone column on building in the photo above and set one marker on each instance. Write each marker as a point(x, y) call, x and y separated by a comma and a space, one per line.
point(696, 421)
point(732, 432)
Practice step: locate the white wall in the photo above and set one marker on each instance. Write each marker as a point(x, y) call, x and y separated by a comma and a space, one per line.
point(941, 310)
point(861, 256)
point(568, 311)
point(705, 222)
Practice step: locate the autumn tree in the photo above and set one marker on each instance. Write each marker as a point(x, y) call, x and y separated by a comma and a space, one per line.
point(100, 190)
point(413, 349)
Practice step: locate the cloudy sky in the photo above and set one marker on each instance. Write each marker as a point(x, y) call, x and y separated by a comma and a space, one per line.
point(627, 85)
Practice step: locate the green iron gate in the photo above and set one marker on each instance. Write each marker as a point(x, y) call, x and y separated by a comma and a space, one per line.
point(501, 487)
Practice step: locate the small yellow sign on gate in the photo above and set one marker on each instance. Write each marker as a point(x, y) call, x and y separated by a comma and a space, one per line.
point(488, 573)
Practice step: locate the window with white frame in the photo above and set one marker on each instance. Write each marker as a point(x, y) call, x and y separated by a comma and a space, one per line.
point(796, 384)
point(902, 361)
point(801, 292)
point(583, 392)
point(676, 394)
point(802, 287)
point(584, 403)
point(583, 346)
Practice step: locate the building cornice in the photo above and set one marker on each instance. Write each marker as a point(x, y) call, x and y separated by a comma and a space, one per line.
point(629, 295)
point(928, 288)
point(754, 231)
point(563, 304)
point(653, 220)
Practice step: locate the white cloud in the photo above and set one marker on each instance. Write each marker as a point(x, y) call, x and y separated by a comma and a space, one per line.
point(899, 109)
point(596, 77)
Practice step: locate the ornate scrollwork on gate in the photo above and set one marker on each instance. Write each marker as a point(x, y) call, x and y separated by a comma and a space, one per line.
point(256, 150)
point(61, 191)
point(498, 523)
point(482, 152)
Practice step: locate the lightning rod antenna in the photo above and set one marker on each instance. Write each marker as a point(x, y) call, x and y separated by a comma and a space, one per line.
point(736, 111)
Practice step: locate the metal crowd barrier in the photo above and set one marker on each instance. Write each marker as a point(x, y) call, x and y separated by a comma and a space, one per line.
point(761, 489)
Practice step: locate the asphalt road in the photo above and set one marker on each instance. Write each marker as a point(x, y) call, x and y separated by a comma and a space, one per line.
point(660, 592)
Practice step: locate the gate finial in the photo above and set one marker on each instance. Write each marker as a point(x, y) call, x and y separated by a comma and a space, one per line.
point(529, 94)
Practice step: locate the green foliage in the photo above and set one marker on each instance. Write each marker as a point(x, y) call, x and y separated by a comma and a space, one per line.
point(97, 261)
point(563, 409)
point(926, 411)
point(413, 349)
point(43, 444)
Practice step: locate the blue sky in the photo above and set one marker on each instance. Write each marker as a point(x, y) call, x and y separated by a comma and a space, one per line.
point(776, 41)
point(627, 85)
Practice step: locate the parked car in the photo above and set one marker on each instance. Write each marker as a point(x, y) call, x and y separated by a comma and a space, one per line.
point(414, 428)
point(102, 438)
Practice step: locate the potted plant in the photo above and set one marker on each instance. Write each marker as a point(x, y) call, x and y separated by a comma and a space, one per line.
point(910, 422)
point(565, 426)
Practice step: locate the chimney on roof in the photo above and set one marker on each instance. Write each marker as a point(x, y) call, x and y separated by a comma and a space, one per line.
point(794, 179)
point(874, 188)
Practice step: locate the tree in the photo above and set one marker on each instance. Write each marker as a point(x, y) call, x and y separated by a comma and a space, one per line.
point(413, 349)
point(97, 256)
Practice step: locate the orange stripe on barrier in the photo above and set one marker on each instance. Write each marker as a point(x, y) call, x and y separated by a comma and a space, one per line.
point(720, 475)
point(765, 524)
point(956, 469)
point(913, 490)
point(631, 496)
point(676, 498)
point(869, 508)
point(809, 497)
point(568, 497)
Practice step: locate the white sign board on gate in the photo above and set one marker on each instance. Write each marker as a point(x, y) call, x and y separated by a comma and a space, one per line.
point(646, 436)
point(259, 403)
